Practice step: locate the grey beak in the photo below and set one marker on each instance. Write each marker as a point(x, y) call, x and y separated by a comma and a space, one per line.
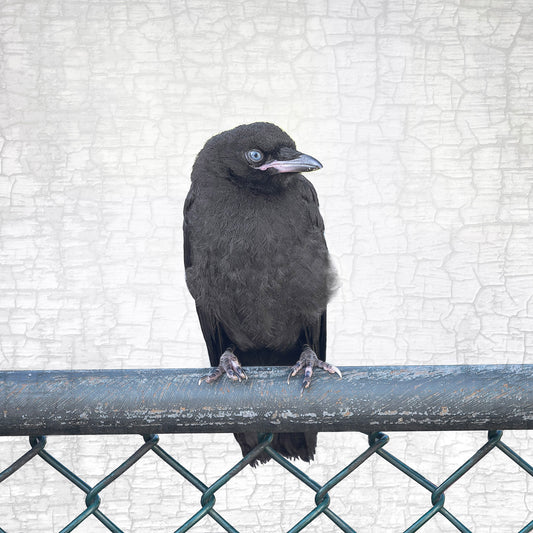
point(300, 163)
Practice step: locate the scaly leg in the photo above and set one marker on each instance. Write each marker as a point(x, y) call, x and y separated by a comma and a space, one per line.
point(309, 360)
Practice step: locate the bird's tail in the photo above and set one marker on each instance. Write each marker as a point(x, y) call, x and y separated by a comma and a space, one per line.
point(290, 445)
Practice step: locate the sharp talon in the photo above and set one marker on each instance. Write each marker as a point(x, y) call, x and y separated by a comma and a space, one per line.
point(337, 371)
point(240, 372)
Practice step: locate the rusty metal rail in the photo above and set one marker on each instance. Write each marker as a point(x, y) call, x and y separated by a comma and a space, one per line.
point(367, 399)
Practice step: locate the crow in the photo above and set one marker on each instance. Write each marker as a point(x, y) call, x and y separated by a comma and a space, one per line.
point(257, 264)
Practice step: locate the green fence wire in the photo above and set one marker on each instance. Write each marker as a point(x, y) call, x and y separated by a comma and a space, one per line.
point(377, 443)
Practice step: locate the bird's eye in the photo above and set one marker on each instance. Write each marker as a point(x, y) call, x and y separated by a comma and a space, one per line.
point(254, 156)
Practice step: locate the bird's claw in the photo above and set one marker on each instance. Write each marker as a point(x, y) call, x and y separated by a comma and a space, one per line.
point(229, 365)
point(309, 360)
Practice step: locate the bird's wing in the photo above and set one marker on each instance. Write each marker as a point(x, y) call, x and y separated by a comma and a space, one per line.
point(215, 338)
point(310, 197)
point(187, 257)
point(316, 333)
point(322, 338)
point(315, 336)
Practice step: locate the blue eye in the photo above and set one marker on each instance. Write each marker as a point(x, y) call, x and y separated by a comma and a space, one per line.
point(254, 156)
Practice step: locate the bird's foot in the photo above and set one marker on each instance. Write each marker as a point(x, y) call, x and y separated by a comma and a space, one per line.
point(309, 360)
point(229, 365)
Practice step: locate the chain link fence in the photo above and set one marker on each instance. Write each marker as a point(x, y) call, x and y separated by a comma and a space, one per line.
point(21, 410)
point(207, 499)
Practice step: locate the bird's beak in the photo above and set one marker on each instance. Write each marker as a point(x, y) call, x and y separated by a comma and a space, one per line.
point(299, 163)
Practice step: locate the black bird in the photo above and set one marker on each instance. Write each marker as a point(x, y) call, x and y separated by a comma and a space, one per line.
point(256, 262)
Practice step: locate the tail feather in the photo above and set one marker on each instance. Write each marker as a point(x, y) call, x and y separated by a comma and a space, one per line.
point(290, 445)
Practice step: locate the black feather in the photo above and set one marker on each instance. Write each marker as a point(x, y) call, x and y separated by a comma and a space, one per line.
point(256, 259)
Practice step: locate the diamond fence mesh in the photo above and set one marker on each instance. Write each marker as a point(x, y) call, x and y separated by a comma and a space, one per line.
point(21, 411)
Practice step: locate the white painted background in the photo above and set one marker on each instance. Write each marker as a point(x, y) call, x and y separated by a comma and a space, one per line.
point(421, 113)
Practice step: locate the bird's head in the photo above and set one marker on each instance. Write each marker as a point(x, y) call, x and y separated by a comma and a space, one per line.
point(258, 156)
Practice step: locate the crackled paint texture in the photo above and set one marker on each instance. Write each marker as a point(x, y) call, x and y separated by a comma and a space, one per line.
point(421, 113)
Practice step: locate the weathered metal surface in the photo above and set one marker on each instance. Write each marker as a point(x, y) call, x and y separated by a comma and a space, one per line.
point(367, 399)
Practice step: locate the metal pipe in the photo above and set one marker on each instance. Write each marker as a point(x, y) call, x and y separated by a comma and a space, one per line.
point(367, 399)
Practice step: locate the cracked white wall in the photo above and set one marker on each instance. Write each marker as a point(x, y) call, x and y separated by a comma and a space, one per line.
point(422, 115)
